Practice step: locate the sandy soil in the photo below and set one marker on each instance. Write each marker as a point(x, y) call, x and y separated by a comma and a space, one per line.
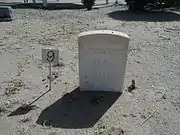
point(153, 62)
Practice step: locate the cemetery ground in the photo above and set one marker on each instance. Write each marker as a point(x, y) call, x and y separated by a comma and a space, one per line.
point(152, 108)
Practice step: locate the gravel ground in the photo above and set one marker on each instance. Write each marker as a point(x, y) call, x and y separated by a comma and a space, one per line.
point(153, 62)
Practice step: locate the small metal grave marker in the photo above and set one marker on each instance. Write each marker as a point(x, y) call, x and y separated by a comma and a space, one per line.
point(50, 56)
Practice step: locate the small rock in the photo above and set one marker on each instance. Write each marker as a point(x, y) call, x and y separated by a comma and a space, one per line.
point(124, 115)
point(132, 86)
point(71, 97)
point(61, 64)
point(164, 96)
point(43, 80)
point(53, 73)
point(25, 120)
point(115, 131)
point(143, 116)
point(103, 126)
point(96, 100)
point(55, 83)
point(7, 103)
point(138, 61)
point(133, 115)
point(96, 132)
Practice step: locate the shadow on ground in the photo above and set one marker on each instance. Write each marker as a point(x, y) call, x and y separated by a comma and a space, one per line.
point(149, 16)
point(26, 108)
point(22, 110)
point(51, 6)
point(77, 109)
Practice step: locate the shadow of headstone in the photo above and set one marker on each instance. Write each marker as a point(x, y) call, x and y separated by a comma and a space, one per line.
point(78, 109)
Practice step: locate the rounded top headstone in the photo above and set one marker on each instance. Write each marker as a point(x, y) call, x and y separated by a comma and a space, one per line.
point(110, 32)
point(102, 60)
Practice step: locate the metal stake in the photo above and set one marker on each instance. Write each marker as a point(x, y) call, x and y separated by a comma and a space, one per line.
point(50, 78)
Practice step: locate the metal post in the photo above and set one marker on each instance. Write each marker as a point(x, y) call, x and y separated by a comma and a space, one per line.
point(50, 78)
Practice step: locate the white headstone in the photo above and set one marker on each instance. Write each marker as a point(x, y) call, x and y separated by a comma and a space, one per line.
point(102, 60)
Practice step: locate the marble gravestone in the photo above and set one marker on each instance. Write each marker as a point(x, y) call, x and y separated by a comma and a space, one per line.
point(102, 60)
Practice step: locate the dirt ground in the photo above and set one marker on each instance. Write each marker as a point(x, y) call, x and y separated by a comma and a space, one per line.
point(153, 108)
